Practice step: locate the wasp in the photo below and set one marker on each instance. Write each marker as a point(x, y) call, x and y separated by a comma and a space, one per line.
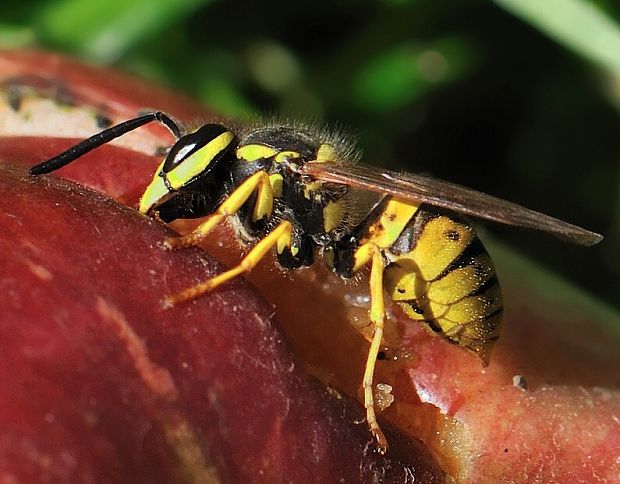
point(301, 193)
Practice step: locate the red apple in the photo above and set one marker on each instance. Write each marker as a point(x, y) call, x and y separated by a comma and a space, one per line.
point(481, 424)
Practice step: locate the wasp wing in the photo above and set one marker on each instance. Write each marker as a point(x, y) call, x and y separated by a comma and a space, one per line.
point(439, 193)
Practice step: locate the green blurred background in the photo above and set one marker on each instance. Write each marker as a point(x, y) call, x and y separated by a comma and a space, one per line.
point(517, 98)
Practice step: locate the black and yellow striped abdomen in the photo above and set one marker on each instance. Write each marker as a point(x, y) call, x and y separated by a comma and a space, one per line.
point(440, 274)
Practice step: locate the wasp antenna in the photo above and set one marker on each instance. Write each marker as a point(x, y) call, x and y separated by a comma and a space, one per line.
point(102, 138)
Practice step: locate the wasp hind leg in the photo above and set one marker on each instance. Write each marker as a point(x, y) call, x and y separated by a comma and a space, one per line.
point(377, 315)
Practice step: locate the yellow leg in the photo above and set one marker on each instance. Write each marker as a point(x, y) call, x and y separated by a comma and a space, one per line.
point(377, 313)
point(264, 204)
point(280, 236)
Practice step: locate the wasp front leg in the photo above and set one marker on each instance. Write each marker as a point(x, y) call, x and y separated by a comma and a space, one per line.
point(280, 237)
point(258, 182)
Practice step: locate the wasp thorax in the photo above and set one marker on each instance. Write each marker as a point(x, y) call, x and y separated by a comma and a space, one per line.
point(279, 139)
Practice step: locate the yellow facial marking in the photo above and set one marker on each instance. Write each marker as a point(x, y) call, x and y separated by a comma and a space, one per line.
point(255, 152)
point(197, 163)
point(156, 190)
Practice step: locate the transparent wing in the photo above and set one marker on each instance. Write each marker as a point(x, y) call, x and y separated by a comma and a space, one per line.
point(423, 189)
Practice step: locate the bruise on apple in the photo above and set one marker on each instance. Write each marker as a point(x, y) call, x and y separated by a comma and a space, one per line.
point(100, 384)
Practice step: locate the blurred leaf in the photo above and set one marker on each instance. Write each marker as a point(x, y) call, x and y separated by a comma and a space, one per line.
point(220, 96)
point(12, 36)
point(579, 25)
point(407, 71)
point(272, 66)
point(105, 30)
point(398, 2)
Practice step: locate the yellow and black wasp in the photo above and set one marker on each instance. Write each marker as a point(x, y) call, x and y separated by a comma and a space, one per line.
point(301, 192)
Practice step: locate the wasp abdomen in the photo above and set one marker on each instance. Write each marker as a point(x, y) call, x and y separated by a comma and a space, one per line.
point(440, 274)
